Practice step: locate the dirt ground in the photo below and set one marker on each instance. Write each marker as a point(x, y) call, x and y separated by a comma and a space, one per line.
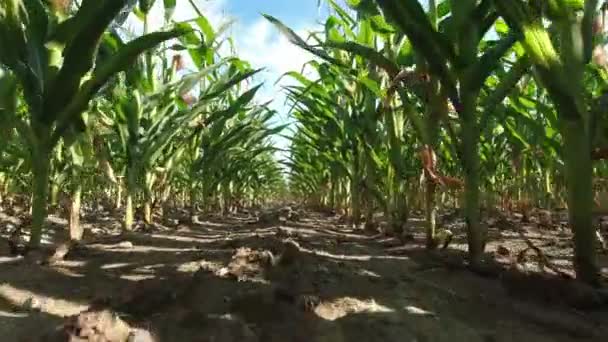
point(226, 279)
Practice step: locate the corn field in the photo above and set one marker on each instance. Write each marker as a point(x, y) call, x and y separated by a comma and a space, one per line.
point(496, 111)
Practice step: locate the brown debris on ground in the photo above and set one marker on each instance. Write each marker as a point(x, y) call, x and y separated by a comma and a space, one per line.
point(247, 263)
point(97, 326)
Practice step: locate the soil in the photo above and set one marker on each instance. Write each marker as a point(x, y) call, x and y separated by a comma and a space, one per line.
point(227, 279)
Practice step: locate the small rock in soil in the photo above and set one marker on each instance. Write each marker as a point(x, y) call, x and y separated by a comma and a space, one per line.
point(9, 227)
point(32, 304)
point(125, 245)
point(223, 272)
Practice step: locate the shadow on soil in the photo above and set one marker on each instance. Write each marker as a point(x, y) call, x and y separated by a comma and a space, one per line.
point(187, 284)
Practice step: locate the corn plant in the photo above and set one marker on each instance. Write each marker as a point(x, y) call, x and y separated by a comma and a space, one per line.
point(361, 157)
point(235, 154)
point(452, 53)
point(560, 56)
point(53, 58)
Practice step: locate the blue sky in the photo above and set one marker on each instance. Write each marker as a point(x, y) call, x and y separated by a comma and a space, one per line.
point(260, 43)
point(292, 11)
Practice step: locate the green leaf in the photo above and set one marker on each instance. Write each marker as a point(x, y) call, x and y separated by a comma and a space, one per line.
point(505, 87)
point(90, 22)
point(437, 50)
point(380, 26)
point(369, 54)
point(443, 8)
point(364, 7)
point(122, 60)
point(296, 40)
point(539, 47)
point(205, 26)
point(371, 85)
point(222, 87)
point(489, 62)
point(13, 20)
point(38, 22)
point(501, 27)
point(332, 29)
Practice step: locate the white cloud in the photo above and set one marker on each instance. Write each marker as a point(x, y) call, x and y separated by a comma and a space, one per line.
point(262, 45)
